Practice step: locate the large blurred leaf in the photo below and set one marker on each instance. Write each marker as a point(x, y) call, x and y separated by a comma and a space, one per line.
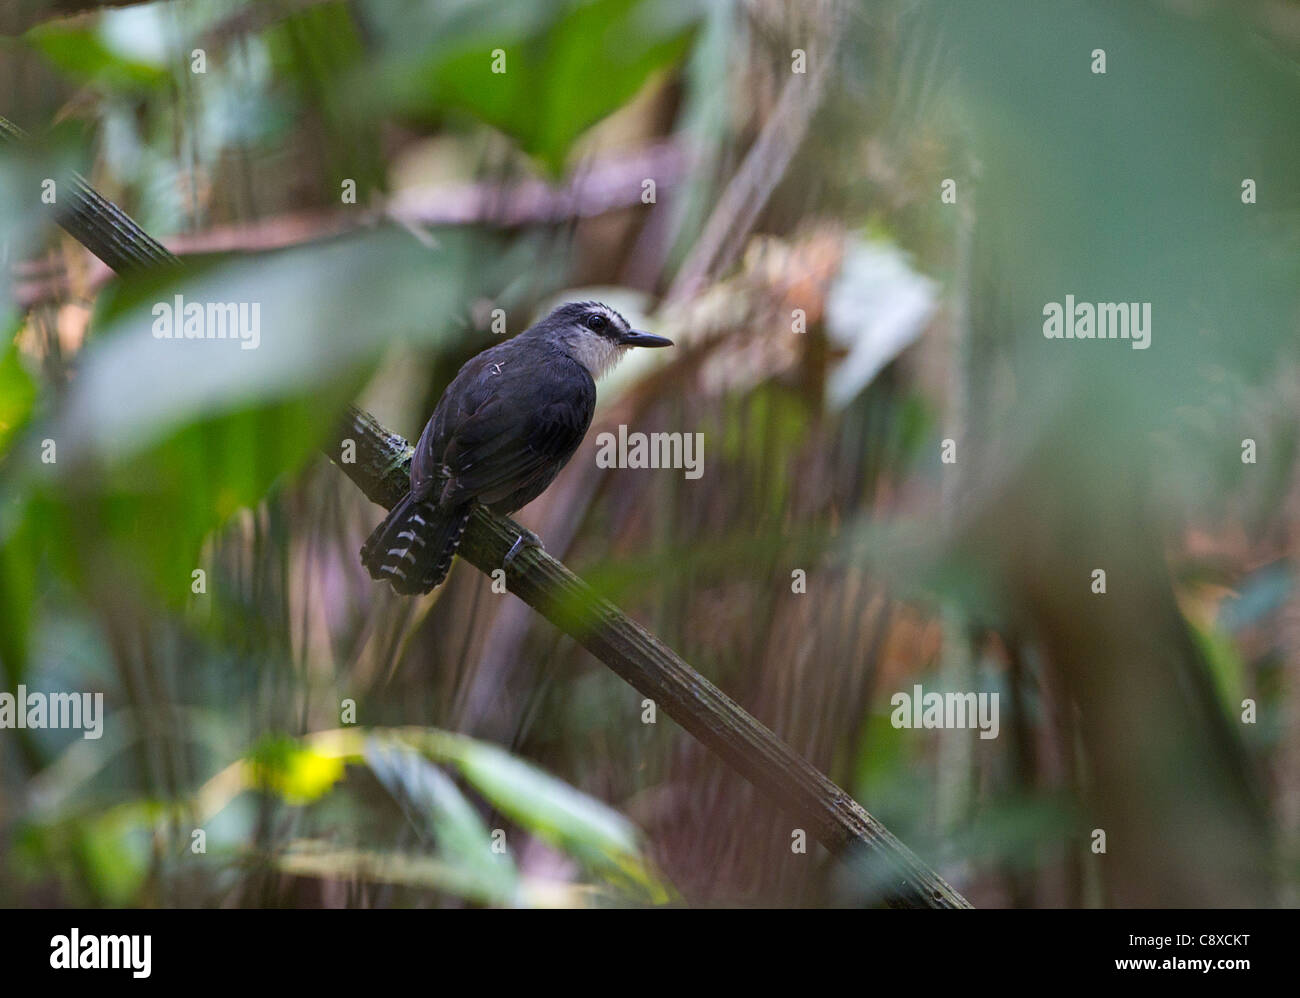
point(464, 865)
point(103, 858)
point(549, 808)
point(17, 395)
point(437, 807)
point(1124, 186)
point(19, 556)
point(89, 55)
point(19, 565)
point(184, 432)
point(325, 311)
point(1225, 663)
point(567, 64)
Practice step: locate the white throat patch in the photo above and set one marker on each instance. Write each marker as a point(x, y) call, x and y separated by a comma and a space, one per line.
point(597, 354)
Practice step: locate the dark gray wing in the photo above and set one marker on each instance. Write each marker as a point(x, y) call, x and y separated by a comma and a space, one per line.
point(509, 429)
point(472, 386)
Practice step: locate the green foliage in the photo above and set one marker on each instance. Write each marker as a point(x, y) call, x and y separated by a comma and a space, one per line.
point(547, 807)
point(20, 565)
point(83, 53)
point(1226, 666)
point(17, 396)
point(567, 64)
point(326, 311)
point(19, 559)
point(156, 431)
point(762, 427)
point(313, 49)
point(445, 817)
point(103, 856)
point(107, 852)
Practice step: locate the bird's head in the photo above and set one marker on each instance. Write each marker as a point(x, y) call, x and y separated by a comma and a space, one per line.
point(594, 335)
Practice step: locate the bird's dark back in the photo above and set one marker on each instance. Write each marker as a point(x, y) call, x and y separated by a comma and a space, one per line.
point(508, 422)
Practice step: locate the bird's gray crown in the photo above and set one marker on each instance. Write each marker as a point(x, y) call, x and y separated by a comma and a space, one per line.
point(587, 331)
point(588, 315)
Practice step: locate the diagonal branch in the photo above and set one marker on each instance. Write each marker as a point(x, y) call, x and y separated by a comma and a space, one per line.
point(98, 224)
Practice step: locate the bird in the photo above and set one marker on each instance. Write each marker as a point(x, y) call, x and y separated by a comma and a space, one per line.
point(509, 421)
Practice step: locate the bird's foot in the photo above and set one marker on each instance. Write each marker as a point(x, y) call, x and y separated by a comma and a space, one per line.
point(526, 538)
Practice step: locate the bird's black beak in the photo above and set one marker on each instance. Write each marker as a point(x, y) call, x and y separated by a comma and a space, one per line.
point(637, 338)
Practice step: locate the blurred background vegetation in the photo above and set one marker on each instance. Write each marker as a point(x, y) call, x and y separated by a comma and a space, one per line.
point(836, 321)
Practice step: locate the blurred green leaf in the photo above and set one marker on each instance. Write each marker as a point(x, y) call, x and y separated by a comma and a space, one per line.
point(324, 312)
point(19, 566)
point(184, 432)
point(115, 846)
point(437, 807)
point(101, 858)
point(17, 396)
point(82, 54)
point(548, 807)
point(1226, 665)
point(19, 554)
point(314, 47)
point(561, 75)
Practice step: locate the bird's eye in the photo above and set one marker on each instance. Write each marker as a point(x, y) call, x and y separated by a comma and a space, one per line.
point(596, 321)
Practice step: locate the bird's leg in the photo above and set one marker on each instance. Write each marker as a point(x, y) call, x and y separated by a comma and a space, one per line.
point(526, 538)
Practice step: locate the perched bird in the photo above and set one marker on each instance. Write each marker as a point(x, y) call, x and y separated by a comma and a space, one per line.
point(508, 422)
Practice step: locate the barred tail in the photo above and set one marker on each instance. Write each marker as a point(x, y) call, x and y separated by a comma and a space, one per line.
point(412, 549)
